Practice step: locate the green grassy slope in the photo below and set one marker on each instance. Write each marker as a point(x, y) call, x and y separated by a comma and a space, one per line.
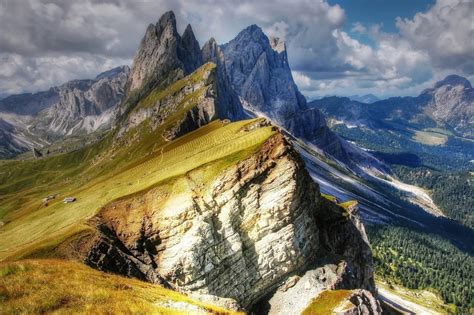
point(36, 223)
point(121, 164)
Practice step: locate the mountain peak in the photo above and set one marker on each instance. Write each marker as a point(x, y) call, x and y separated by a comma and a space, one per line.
point(453, 80)
point(252, 32)
point(168, 18)
point(190, 52)
point(112, 72)
point(164, 53)
point(188, 31)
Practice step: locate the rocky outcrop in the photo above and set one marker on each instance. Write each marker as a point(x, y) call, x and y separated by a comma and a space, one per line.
point(238, 236)
point(361, 302)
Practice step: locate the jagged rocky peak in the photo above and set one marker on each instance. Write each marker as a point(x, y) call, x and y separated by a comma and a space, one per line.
point(163, 50)
point(258, 69)
point(230, 105)
point(259, 72)
point(212, 52)
point(191, 54)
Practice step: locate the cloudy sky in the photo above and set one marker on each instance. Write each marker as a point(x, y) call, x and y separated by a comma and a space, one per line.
point(335, 47)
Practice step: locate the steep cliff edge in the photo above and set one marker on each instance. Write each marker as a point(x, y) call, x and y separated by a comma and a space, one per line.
point(237, 234)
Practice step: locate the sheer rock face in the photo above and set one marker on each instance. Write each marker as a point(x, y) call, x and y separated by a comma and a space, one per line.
point(231, 107)
point(257, 223)
point(163, 50)
point(258, 70)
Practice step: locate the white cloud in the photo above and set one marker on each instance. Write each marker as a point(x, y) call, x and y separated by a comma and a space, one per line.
point(358, 28)
point(445, 32)
point(18, 73)
point(47, 42)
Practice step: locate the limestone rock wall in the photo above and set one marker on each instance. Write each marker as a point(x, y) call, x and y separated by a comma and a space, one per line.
point(239, 236)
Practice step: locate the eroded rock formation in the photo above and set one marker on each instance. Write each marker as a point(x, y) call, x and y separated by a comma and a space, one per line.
point(239, 236)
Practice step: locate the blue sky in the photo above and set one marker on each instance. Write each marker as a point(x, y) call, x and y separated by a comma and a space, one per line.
point(335, 47)
point(380, 12)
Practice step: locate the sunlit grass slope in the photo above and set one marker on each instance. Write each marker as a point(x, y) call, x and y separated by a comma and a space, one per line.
point(33, 224)
point(327, 302)
point(65, 287)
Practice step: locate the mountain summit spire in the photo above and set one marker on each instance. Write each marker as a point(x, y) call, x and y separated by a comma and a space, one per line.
point(164, 53)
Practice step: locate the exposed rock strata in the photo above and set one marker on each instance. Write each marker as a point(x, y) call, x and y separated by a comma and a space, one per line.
point(239, 236)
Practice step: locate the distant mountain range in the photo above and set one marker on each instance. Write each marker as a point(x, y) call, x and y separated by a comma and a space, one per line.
point(367, 98)
point(74, 108)
point(448, 105)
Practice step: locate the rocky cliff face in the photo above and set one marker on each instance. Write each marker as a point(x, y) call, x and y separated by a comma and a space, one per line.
point(258, 70)
point(233, 110)
point(239, 236)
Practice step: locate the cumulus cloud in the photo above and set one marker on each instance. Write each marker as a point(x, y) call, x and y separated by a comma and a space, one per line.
point(47, 42)
point(445, 32)
point(20, 74)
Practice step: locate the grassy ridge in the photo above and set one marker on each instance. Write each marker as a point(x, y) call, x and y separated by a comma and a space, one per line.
point(210, 143)
point(74, 288)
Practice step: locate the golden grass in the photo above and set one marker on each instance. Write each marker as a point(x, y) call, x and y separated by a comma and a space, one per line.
point(66, 287)
point(180, 156)
point(329, 197)
point(326, 302)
